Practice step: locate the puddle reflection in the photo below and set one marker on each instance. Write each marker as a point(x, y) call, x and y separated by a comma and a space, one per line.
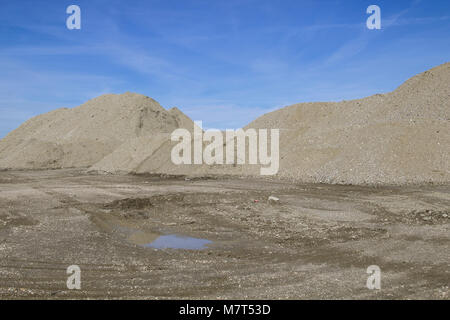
point(173, 241)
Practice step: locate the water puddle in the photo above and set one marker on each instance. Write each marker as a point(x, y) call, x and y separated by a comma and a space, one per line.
point(142, 238)
point(172, 241)
point(133, 232)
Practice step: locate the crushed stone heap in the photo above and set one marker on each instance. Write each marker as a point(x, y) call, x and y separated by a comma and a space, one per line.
point(394, 138)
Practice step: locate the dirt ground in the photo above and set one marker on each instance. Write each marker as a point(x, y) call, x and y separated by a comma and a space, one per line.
point(315, 243)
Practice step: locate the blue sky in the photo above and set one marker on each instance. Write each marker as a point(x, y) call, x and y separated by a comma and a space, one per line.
point(223, 62)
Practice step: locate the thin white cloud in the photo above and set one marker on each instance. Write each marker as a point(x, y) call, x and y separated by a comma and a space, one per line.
point(348, 50)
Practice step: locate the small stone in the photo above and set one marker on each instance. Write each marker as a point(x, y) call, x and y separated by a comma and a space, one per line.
point(273, 199)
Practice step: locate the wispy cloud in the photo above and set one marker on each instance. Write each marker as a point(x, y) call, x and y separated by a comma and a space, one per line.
point(348, 50)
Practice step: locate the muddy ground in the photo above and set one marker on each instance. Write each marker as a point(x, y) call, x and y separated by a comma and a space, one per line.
point(315, 243)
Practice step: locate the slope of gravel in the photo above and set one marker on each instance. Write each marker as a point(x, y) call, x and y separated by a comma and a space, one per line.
point(84, 135)
point(399, 137)
point(395, 138)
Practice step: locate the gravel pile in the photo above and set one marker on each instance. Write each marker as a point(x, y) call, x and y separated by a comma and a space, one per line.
point(396, 138)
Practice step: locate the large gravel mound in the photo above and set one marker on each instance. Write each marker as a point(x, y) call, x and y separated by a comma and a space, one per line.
point(399, 137)
point(396, 138)
point(84, 135)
